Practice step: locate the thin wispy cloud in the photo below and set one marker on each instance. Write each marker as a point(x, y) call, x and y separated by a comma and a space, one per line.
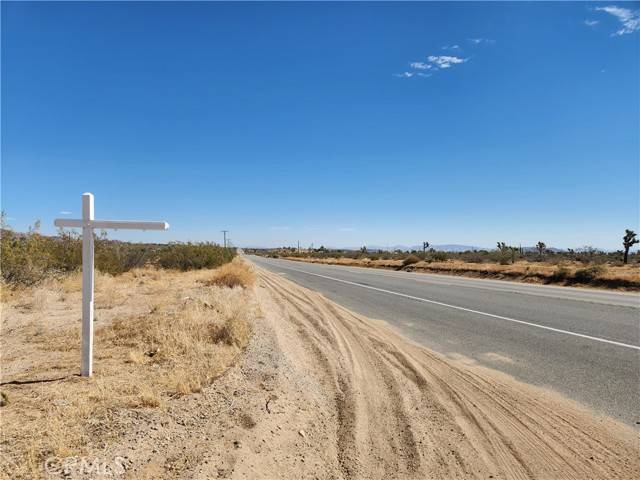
point(630, 19)
point(591, 23)
point(65, 212)
point(404, 75)
point(420, 65)
point(435, 63)
point(445, 61)
point(479, 40)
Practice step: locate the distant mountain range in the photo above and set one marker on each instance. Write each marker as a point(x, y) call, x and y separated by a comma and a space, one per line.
point(449, 247)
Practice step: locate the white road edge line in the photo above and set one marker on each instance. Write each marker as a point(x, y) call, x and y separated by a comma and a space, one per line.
point(544, 327)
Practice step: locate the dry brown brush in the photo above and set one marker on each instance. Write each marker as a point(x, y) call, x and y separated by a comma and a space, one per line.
point(160, 334)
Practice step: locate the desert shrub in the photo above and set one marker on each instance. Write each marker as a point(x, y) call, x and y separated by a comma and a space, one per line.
point(473, 257)
point(118, 257)
point(234, 274)
point(29, 258)
point(410, 260)
point(561, 273)
point(439, 256)
point(588, 274)
point(189, 256)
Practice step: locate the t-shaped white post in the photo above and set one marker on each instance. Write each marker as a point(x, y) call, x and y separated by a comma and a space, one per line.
point(86, 365)
point(88, 225)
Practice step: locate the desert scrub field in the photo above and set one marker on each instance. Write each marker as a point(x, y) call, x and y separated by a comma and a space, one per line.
point(160, 334)
point(566, 273)
point(28, 258)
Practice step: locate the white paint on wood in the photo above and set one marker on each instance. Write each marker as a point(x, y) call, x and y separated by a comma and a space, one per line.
point(88, 225)
point(113, 224)
point(86, 365)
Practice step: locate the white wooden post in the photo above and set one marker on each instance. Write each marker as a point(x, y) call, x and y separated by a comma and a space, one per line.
point(88, 225)
point(86, 365)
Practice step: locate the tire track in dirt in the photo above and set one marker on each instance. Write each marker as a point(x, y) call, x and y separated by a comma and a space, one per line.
point(403, 411)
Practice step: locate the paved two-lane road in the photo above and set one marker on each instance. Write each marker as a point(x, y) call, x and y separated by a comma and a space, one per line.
point(583, 343)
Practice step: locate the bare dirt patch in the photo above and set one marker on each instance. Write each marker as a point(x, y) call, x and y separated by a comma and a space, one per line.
point(397, 410)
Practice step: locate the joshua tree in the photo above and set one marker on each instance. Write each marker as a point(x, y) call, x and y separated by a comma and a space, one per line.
point(507, 251)
point(541, 247)
point(425, 245)
point(514, 253)
point(628, 241)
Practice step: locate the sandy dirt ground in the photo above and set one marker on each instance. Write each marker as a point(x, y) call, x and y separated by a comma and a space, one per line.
point(323, 393)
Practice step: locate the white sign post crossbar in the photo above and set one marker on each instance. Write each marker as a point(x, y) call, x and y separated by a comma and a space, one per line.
point(88, 225)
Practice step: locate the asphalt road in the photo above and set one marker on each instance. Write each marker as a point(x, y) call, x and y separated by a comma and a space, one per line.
point(583, 343)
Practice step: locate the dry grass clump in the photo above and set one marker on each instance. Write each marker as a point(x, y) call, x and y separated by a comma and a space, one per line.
point(410, 260)
point(187, 343)
point(234, 274)
point(108, 292)
point(168, 334)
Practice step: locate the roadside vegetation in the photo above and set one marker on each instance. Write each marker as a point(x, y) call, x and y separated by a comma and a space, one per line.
point(29, 258)
point(167, 324)
point(160, 335)
point(586, 266)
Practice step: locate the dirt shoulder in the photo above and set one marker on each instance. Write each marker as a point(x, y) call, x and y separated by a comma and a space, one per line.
point(323, 393)
point(625, 277)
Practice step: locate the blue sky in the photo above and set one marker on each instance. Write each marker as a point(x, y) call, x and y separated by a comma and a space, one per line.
point(337, 124)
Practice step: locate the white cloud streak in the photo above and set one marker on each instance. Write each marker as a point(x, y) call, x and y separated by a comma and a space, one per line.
point(445, 61)
point(436, 62)
point(591, 23)
point(629, 19)
point(420, 65)
point(65, 212)
point(478, 41)
point(404, 75)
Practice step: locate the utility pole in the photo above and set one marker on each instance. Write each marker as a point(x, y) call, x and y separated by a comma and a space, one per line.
point(298, 246)
point(224, 234)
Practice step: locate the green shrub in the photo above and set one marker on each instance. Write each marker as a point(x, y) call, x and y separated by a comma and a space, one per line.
point(189, 256)
point(561, 273)
point(588, 274)
point(439, 256)
point(28, 258)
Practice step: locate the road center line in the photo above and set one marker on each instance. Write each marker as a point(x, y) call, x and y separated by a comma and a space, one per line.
point(425, 300)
